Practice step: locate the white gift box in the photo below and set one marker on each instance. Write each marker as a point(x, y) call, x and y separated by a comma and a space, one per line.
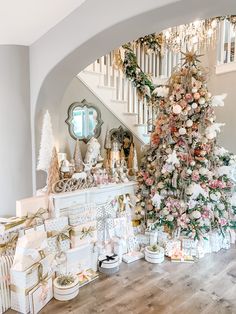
point(225, 241)
point(232, 236)
point(171, 246)
point(106, 210)
point(40, 295)
point(81, 258)
point(28, 230)
point(12, 224)
point(162, 237)
point(8, 243)
point(56, 224)
point(30, 249)
point(5, 265)
point(215, 241)
point(132, 257)
point(29, 206)
point(81, 214)
point(56, 243)
point(142, 239)
point(22, 282)
point(133, 244)
point(189, 246)
point(120, 227)
point(119, 247)
point(84, 234)
point(206, 244)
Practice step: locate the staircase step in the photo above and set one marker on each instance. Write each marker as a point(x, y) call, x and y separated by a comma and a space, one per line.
point(141, 124)
point(130, 113)
point(106, 87)
point(92, 72)
point(119, 101)
point(147, 134)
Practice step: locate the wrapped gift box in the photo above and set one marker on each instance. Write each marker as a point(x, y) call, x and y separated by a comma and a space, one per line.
point(22, 282)
point(28, 230)
point(87, 276)
point(162, 237)
point(232, 236)
point(171, 246)
point(59, 241)
point(40, 295)
point(10, 225)
point(81, 214)
point(30, 249)
point(8, 243)
point(215, 241)
point(56, 224)
point(120, 247)
point(30, 206)
point(81, 258)
point(225, 240)
point(133, 244)
point(189, 246)
point(108, 264)
point(5, 266)
point(142, 239)
point(84, 234)
point(132, 257)
point(206, 244)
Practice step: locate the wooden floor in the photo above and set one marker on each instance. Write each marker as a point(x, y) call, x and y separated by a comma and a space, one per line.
point(207, 286)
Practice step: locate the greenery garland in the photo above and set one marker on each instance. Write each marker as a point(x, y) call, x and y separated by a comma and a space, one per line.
point(127, 62)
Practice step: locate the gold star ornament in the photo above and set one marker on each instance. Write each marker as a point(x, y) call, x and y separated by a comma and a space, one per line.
point(190, 57)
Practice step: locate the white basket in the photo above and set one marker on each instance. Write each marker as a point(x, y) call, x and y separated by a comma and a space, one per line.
point(154, 257)
point(67, 293)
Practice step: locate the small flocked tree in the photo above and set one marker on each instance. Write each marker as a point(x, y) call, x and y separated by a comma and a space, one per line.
point(53, 171)
point(46, 144)
point(185, 183)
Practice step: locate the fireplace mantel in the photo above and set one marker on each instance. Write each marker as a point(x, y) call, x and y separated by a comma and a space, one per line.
point(96, 195)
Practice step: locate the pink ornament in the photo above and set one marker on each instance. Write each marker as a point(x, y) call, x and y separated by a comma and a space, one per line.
point(149, 181)
point(177, 109)
point(188, 97)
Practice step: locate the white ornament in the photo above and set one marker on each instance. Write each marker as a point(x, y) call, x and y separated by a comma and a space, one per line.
point(173, 159)
point(93, 152)
point(182, 131)
point(203, 171)
point(189, 171)
point(189, 123)
point(194, 90)
point(194, 105)
point(46, 144)
point(201, 101)
point(221, 206)
point(196, 214)
point(192, 163)
point(156, 200)
point(177, 109)
point(169, 218)
point(161, 91)
point(218, 100)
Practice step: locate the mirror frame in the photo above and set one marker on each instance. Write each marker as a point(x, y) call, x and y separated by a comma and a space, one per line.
point(82, 104)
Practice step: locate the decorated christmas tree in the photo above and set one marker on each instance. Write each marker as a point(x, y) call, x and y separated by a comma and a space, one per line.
point(185, 181)
point(46, 144)
point(53, 171)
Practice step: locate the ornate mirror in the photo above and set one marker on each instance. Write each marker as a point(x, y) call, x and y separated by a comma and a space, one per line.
point(84, 121)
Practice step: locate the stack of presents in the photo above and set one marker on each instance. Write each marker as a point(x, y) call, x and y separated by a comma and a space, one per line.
point(44, 256)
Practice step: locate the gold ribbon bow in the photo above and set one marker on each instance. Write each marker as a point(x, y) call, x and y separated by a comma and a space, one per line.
point(30, 218)
point(8, 245)
point(59, 235)
point(87, 232)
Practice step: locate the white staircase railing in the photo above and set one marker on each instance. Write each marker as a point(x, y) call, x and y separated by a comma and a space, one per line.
point(123, 91)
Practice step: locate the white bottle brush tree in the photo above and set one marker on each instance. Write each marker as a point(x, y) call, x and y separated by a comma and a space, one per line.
point(46, 144)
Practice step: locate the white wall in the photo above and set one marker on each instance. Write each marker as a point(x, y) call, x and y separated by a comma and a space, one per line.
point(219, 84)
point(15, 132)
point(75, 92)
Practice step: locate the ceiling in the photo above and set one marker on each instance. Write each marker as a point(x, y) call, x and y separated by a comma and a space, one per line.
point(22, 22)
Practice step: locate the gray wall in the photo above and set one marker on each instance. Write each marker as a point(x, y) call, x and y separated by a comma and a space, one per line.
point(219, 84)
point(76, 91)
point(15, 149)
